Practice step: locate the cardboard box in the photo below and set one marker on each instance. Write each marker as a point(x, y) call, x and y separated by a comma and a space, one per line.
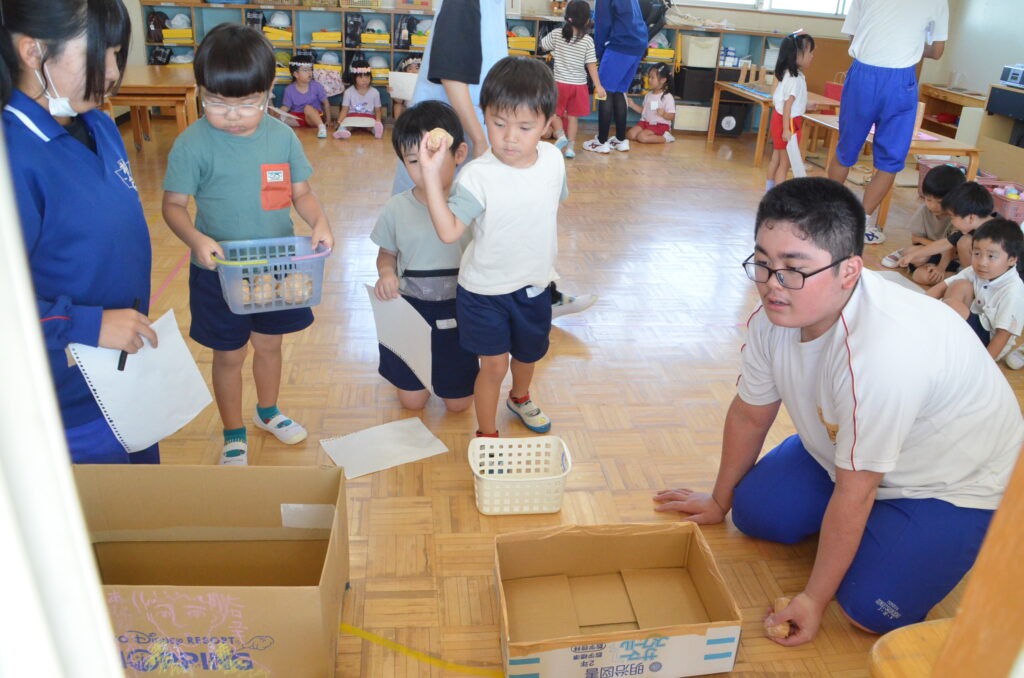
point(700, 51)
point(214, 570)
point(692, 118)
point(613, 600)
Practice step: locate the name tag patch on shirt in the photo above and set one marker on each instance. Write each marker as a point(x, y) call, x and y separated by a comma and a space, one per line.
point(446, 323)
point(275, 176)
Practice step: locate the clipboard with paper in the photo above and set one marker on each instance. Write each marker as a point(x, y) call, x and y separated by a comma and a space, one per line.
point(159, 391)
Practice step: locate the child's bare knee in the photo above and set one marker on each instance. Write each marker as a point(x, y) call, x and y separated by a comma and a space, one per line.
point(413, 400)
point(233, 358)
point(456, 405)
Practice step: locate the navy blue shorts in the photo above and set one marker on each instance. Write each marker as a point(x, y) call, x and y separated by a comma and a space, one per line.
point(616, 70)
point(95, 443)
point(453, 368)
point(913, 552)
point(974, 321)
point(215, 326)
point(505, 323)
point(885, 98)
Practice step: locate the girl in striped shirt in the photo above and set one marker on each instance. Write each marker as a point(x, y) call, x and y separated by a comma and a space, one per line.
point(574, 55)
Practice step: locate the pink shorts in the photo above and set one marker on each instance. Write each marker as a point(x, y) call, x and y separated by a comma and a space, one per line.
point(573, 100)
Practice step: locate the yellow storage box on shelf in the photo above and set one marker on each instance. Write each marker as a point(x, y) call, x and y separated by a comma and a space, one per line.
point(528, 43)
point(419, 40)
point(277, 35)
point(380, 75)
point(657, 54)
point(177, 35)
point(376, 39)
point(332, 37)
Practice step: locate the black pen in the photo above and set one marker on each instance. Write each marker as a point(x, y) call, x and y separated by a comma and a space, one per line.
point(124, 354)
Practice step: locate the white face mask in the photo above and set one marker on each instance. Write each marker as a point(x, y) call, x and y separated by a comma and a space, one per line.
point(60, 107)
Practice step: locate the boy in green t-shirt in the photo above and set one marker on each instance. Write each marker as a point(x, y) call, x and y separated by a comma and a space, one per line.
point(245, 170)
point(414, 263)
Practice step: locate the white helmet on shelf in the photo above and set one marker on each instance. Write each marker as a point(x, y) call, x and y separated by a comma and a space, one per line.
point(330, 58)
point(280, 20)
point(181, 21)
point(377, 61)
point(376, 26)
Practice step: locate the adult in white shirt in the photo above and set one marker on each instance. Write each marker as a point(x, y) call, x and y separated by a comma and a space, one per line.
point(906, 430)
point(888, 39)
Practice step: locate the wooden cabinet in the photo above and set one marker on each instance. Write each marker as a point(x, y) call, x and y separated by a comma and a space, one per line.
point(939, 100)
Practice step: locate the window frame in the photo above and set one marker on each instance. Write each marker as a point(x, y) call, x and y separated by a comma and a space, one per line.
point(766, 6)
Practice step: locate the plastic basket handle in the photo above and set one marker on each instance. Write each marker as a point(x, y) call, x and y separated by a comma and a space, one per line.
point(316, 255)
point(222, 262)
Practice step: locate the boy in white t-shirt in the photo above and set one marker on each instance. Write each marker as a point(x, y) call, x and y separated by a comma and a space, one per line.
point(989, 294)
point(907, 431)
point(510, 197)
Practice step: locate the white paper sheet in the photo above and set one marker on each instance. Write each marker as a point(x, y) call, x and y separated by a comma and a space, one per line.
point(375, 449)
point(358, 121)
point(402, 329)
point(796, 158)
point(900, 279)
point(402, 85)
point(159, 391)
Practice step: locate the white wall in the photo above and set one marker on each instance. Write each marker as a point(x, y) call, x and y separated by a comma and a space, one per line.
point(984, 36)
point(137, 53)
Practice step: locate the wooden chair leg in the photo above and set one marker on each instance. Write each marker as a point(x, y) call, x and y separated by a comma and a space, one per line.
point(181, 115)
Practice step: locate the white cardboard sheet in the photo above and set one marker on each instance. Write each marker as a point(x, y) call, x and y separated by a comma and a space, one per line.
point(796, 158)
point(381, 447)
point(401, 85)
point(402, 329)
point(159, 391)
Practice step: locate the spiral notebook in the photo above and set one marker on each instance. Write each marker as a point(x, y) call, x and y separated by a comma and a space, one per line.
point(159, 391)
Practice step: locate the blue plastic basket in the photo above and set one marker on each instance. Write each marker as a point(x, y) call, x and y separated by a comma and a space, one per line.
point(271, 274)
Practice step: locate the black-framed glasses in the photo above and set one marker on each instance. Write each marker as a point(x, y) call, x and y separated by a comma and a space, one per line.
point(787, 277)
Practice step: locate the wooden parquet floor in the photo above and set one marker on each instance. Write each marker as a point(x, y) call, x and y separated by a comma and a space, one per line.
point(637, 386)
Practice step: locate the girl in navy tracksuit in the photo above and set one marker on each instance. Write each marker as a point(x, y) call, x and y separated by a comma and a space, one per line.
point(85, 235)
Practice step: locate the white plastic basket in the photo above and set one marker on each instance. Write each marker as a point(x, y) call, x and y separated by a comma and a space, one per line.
point(519, 475)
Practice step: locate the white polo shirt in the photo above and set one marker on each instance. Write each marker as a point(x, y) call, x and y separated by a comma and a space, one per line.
point(791, 86)
point(892, 33)
point(998, 303)
point(900, 385)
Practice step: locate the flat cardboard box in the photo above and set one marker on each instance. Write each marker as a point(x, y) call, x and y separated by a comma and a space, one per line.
point(210, 570)
point(616, 600)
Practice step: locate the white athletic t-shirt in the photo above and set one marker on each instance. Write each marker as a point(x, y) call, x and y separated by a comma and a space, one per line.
point(514, 216)
point(998, 303)
point(900, 385)
point(892, 33)
point(791, 86)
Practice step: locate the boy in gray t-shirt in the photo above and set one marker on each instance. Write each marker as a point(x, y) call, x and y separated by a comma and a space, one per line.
point(414, 263)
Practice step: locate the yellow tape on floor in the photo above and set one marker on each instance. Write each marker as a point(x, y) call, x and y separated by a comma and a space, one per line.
point(420, 656)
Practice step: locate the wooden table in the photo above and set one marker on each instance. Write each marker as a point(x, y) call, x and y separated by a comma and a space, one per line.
point(760, 94)
point(148, 86)
point(939, 146)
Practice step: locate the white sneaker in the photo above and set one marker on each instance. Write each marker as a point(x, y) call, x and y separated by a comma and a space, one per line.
point(596, 146)
point(614, 142)
point(668, 137)
point(873, 235)
point(283, 428)
point(622, 146)
point(531, 415)
point(569, 304)
point(234, 453)
point(892, 260)
point(1015, 359)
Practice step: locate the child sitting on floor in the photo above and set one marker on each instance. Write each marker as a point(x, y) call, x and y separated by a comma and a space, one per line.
point(968, 206)
point(415, 263)
point(989, 294)
point(928, 224)
point(658, 110)
point(362, 100)
point(305, 100)
point(408, 65)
